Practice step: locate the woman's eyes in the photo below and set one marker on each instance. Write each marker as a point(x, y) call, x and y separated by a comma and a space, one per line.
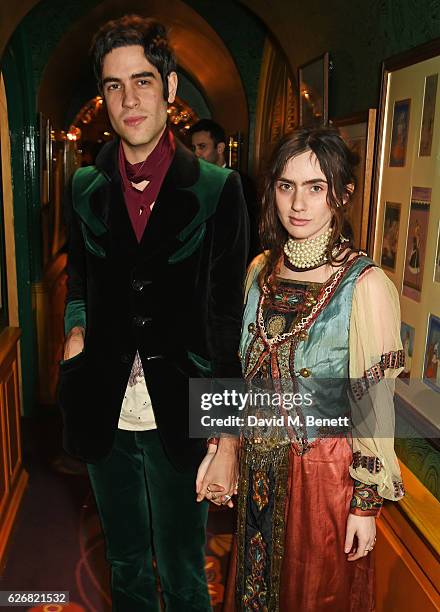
point(289, 187)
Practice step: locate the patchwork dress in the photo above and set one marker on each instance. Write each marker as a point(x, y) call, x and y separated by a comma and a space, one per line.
point(339, 340)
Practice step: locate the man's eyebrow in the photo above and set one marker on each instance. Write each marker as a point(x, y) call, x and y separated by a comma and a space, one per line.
point(143, 75)
point(137, 75)
point(309, 182)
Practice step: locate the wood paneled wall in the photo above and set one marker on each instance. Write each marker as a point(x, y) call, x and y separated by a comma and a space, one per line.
point(408, 551)
point(13, 478)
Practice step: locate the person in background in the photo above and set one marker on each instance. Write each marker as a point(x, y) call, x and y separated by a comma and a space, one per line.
point(209, 143)
point(154, 298)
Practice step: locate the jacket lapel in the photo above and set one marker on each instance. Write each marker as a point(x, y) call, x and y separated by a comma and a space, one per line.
point(173, 210)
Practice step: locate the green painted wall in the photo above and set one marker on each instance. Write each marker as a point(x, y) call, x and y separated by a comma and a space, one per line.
point(359, 34)
point(23, 135)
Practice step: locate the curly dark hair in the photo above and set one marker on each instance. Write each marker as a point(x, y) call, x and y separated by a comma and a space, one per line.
point(337, 163)
point(134, 30)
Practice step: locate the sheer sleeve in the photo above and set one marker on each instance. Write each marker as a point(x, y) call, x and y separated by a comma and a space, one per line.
point(376, 359)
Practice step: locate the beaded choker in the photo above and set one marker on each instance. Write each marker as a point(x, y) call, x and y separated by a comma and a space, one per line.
point(300, 255)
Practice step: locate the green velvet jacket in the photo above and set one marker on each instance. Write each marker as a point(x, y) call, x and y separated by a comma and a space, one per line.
point(176, 297)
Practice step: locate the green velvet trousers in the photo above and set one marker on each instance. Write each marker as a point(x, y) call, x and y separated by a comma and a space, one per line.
point(148, 509)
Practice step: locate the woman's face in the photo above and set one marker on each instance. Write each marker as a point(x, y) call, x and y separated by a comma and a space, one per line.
point(301, 197)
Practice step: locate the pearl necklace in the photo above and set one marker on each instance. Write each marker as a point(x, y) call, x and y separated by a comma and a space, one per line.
point(308, 254)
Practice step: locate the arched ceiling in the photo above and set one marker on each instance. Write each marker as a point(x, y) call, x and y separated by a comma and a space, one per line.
point(11, 13)
point(200, 52)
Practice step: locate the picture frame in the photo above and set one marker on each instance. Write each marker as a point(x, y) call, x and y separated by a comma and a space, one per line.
point(410, 96)
point(407, 335)
point(358, 131)
point(431, 370)
point(390, 235)
point(313, 92)
point(399, 133)
point(437, 258)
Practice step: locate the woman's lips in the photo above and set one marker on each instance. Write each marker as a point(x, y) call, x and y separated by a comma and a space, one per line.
point(133, 121)
point(298, 222)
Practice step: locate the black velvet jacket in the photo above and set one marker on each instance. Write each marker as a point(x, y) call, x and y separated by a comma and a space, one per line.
point(176, 310)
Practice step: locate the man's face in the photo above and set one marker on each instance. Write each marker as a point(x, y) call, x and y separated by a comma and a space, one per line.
point(204, 147)
point(133, 93)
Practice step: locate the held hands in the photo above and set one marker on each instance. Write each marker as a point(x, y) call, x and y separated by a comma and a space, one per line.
point(364, 528)
point(217, 475)
point(74, 343)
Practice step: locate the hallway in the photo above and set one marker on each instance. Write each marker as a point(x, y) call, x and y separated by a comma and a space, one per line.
point(258, 70)
point(57, 543)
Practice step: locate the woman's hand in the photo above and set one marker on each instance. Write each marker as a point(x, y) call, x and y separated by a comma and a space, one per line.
point(212, 449)
point(74, 343)
point(220, 475)
point(364, 528)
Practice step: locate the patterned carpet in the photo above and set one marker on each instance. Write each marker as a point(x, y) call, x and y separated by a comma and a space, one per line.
point(57, 542)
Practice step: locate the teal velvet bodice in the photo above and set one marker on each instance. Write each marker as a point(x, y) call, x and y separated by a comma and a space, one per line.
point(313, 355)
point(324, 352)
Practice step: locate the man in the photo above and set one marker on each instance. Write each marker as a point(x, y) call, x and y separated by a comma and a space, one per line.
point(208, 140)
point(157, 251)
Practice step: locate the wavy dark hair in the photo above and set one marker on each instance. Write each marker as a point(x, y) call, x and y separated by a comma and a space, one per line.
point(134, 30)
point(337, 163)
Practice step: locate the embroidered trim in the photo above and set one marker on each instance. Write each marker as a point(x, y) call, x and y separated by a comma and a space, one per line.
point(255, 595)
point(372, 376)
point(372, 464)
point(137, 372)
point(399, 489)
point(255, 458)
point(366, 497)
point(261, 489)
point(324, 296)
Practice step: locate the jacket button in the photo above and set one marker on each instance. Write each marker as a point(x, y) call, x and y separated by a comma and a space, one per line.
point(303, 335)
point(305, 372)
point(137, 285)
point(139, 321)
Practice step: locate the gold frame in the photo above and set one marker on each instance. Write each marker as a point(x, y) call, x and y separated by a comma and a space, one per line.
point(404, 77)
point(363, 123)
point(323, 63)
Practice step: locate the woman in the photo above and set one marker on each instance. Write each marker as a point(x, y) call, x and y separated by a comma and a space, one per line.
point(317, 312)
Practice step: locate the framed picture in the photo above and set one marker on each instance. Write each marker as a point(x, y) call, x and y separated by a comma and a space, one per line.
point(416, 242)
point(399, 133)
point(428, 117)
point(406, 172)
point(313, 92)
point(390, 238)
point(437, 259)
point(359, 131)
point(407, 335)
point(431, 372)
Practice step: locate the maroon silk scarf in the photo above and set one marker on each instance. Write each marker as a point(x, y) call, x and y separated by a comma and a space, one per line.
point(152, 169)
